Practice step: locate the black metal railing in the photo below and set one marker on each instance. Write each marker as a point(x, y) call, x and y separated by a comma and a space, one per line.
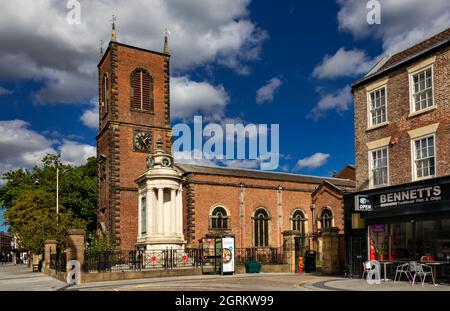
point(58, 262)
point(268, 256)
point(135, 260)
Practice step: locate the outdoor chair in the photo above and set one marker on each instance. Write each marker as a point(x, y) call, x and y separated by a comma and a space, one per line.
point(403, 269)
point(422, 271)
point(366, 268)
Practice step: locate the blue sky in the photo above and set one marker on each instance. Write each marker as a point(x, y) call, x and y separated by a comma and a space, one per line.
point(301, 56)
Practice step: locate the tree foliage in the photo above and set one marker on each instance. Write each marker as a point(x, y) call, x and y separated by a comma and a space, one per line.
point(30, 201)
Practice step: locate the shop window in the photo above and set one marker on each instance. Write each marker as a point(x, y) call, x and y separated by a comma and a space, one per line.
point(261, 228)
point(219, 219)
point(298, 221)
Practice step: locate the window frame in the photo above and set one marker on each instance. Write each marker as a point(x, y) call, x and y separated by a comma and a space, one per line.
point(412, 103)
point(132, 91)
point(413, 157)
point(302, 220)
point(370, 125)
point(321, 216)
point(104, 93)
point(225, 218)
point(371, 168)
point(265, 226)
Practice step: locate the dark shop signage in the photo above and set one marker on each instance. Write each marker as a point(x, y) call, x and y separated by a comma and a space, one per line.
point(412, 196)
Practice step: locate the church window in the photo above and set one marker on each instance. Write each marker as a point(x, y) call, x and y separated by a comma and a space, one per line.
point(141, 90)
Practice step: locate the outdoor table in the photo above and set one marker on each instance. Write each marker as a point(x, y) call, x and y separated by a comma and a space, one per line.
point(385, 263)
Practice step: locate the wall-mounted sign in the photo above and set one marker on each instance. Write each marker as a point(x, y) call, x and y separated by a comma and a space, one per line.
point(228, 254)
point(363, 203)
point(410, 196)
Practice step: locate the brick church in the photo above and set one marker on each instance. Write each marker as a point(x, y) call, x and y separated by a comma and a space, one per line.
point(255, 206)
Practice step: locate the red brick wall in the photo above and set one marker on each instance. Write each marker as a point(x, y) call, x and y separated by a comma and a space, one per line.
point(257, 193)
point(398, 109)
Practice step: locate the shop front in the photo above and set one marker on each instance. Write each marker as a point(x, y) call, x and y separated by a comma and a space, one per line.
point(398, 223)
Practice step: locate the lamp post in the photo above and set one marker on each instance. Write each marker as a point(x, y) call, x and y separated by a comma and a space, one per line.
point(313, 208)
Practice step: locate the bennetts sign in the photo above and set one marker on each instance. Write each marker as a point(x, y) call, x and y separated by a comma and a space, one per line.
point(411, 196)
point(398, 197)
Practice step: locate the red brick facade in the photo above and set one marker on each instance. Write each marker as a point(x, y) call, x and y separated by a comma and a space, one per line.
point(240, 194)
point(119, 164)
point(400, 119)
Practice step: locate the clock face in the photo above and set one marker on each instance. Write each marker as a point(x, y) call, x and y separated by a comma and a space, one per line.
point(142, 141)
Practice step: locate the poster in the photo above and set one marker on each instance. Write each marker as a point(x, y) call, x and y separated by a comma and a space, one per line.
point(228, 254)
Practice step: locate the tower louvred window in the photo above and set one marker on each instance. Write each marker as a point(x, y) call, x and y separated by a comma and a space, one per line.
point(142, 91)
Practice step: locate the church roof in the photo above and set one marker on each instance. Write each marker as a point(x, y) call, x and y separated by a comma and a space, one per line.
point(258, 174)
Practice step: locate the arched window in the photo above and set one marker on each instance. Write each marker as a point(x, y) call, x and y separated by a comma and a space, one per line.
point(298, 221)
point(219, 218)
point(104, 99)
point(141, 90)
point(261, 227)
point(326, 218)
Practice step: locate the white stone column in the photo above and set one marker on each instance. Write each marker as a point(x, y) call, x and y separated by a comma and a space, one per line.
point(149, 212)
point(161, 211)
point(154, 208)
point(139, 215)
point(173, 207)
point(179, 212)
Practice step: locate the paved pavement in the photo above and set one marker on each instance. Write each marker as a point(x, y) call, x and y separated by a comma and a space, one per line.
point(20, 278)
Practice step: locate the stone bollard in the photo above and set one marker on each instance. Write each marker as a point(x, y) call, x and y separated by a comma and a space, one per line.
point(50, 248)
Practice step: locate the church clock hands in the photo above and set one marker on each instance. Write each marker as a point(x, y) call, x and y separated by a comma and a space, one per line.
point(142, 141)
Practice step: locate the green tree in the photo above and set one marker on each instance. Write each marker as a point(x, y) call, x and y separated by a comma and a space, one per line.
point(29, 198)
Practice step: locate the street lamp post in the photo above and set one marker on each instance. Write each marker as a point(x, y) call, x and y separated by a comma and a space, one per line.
point(313, 208)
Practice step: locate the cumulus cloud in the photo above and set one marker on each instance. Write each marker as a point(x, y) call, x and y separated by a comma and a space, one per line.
point(75, 153)
point(21, 147)
point(4, 91)
point(395, 32)
point(314, 161)
point(266, 92)
point(403, 22)
point(344, 63)
point(39, 44)
point(339, 101)
point(190, 97)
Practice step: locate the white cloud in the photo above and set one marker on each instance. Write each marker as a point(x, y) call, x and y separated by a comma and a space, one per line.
point(75, 153)
point(21, 147)
point(190, 97)
point(395, 32)
point(4, 91)
point(339, 101)
point(403, 22)
point(90, 117)
point(266, 92)
point(343, 63)
point(39, 44)
point(314, 161)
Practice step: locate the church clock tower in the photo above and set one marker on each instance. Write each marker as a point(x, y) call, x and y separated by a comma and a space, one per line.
point(134, 109)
